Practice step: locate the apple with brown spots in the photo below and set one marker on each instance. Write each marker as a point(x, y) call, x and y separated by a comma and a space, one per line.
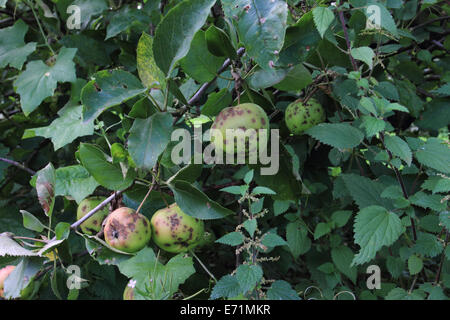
point(126, 230)
point(93, 225)
point(175, 231)
point(240, 118)
point(301, 116)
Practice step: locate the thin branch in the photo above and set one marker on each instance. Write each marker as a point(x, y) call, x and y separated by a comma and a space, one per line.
point(347, 40)
point(96, 209)
point(438, 275)
point(429, 22)
point(155, 169)
point(18, 165)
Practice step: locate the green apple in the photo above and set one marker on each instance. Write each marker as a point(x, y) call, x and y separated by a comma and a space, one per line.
point(126, 230)
point(300, 116)
point(93, 225)
point(175, 231)
point(238, 120)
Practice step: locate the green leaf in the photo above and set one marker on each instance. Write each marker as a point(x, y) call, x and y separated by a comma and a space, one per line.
point(227, 287)
point(195, 203)
point(250, 225)
point(364, 54)
point(297, 238)
point(125, 19)
point(374, 228)
point(321, 230)
point(296, 79)
point(432, 201)
point(338, 135)
point(107, 89)
point(365, 191)
point(280, 206)
point(13, 50)
point(248, 276)
point(282, 290)
point(372, 125)
point(261, 29)
point(232, 239)
point(428, 245)
point(341, 217)
point(39, 80)
point(386, 21)
point(262, 190)
point(216, 102)
point(434, 154)
point(20, 277)
point(8, 247)
point(218, 43)
point(342, 257)
point(415, 265)
point(199, 63)
point(176, 30)
point(149, 138)
point(45, 188)
point(65, 129)
point(395, 266)
point(323, 17)
point(74, 181)
point(401, 294)
point(104, 172)
point(273, 240)
point(399, 148)
point(31, 222)
point(444, 218)
point(62, 230)
point(149, 73)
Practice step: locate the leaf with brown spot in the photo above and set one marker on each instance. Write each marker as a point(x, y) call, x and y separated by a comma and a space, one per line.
point(45, 187)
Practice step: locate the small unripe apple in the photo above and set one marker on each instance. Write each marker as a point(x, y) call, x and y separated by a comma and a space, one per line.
point(300, 116)
point(4, 273)
point(93, 225)
point(126, 230)
point(175, 231)
point(239, 119)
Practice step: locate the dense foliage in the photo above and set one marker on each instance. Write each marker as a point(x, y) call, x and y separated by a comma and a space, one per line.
point(93, 89)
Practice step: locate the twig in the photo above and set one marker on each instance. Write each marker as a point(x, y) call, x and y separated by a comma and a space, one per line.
point(155, 169)
point(347, 40)
point(438, 275)
point(96, 209)
point(429, 22)
point(18, 165)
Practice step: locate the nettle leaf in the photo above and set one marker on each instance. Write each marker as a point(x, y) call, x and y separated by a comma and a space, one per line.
point(338, 135)
point(176, 30)
point(13, 50)
point(149, 138)
point(250, 225)
point(150, 74)
point(432, 201)
point(74, 181)
point(402, 294)
point(415, 265)
point(399, 148)
point(248, 276)
point(428, 245)
point(227, 287)
point(434, 154)
point(385, 18)
point(65, 129)
point(271, 240)
point(297, 238)
point(323, 17)
point(321, 229)
point(195, 203)
point(342, 257)
point(232, 239)
point(261, 26)
point(39, 80)
point(107, 89)
point(199, 63)
point(444, 219)
point(364, 54)
point(45, 187)
point(104, 172)
point(374, 228)
point(282, 290)
point(365, 191)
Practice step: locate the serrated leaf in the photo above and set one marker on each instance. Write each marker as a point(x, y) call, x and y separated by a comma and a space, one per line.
point(427, 245)
point(437, 184)
point(372, 125)
point(399, 148)
point(232, 239)
point(227, 287)
point(107, 89)
point(248, 276)
point(282, 290)
point(148, 139)
point(263, 190)
point(415, 265)
point(434, 154)
point(297, 239)
point(432, 201)
point(273, 240)
point(8, 247)
point(13, 50)
point(338, 135)
point(401, 294)
point(149, 73)
point(250, 225)
point(39, 80)
point(323, 17)
point(374, 228)
point(176, 30)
